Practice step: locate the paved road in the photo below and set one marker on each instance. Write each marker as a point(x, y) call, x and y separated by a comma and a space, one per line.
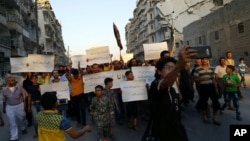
point(196, 130)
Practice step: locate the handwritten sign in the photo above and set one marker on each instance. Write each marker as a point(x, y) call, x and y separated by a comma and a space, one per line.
point(61, 88)
point(152, 51)
point(41, 63)
point(144, 73)
point(92, 80)
point(79, 58)
point(19, 64)
point(98, 55)
point(133, 90)
point(125, 57)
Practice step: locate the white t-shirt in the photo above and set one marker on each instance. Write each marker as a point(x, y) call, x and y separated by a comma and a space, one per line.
point(220, 71)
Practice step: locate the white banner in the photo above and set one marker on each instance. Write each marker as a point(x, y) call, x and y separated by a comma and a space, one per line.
point(98, 55)
point(133, 90)
point(125, 57)
point(41, 63)
point(79, 58)
point(19, 64)
point(61, 88)
point(92, 80)
point(152, 51)
point(144, 73)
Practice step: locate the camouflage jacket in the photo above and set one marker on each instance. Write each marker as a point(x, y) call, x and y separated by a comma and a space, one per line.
point(101, 109)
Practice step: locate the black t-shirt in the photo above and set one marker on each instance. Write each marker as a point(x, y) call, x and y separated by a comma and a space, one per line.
point(164, 109)
point(34, 92)
point(26, 84)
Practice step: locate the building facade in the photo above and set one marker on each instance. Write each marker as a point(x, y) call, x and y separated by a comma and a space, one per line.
point(51, 38)
point(226, 29)
point(20, 33)
point(158, 20)
point(17, 30)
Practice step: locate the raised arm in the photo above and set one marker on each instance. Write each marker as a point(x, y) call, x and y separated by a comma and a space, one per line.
point(185, 56)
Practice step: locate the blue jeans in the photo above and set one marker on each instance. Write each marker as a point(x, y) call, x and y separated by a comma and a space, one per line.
point(35, 108)
point(232, 96)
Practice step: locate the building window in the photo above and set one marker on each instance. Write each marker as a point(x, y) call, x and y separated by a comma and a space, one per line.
point(216, 35)
point(153, 39)
point(218, 2)
point(152, 27)
point(241, 28)
point(151, 16)
point(187, 42)
point(200, 40)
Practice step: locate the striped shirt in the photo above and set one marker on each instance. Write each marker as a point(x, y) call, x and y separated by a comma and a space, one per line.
point(201, 73)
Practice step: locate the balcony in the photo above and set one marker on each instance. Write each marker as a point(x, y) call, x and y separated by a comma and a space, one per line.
point(26, 33)
point(5, 41)
point(3, 19)
point(14, 23)
point(11, 3)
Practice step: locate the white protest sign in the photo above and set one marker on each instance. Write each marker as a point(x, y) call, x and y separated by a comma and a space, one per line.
point(144, 73)
point(79, 58)
point(125, 57)
point(19, 64)
point(92, 80)
point(41, 63)
point(133, 90)
point(152, 51)
point(98, 55)
point(61, 88)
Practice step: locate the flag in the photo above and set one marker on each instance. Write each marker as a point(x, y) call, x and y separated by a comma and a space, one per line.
point(117, 36)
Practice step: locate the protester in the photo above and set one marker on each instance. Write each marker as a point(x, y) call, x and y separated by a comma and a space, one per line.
point(220, 71)
point(165, 123)
point(132, 107)
point(43, 78)
point(77, 93)
point(102, 111)
point(26, 84)
point(13, 105)
point(242, 71)
point(63, 103)
point(208, 89)
point(34, 100)
point(231, 81)
point(51, 125)
point(109, 93)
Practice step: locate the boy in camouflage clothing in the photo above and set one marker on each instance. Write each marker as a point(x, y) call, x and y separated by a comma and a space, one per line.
point(102, 111)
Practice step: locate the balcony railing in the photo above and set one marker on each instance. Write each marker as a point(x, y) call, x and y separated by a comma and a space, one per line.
point(15, 23)
point(5, 41)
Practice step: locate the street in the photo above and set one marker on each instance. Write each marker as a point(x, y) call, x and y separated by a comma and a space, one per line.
point(192, 120)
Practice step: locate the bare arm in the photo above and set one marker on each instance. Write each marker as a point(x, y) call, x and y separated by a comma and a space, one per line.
point(68, 74)
point(76, 134)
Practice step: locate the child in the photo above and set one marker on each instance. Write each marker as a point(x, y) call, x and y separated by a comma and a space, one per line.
point(131, 107)
point(102, 111)
point(242, 70)
point(51, 125)
point(231, 81)
point(110, 94)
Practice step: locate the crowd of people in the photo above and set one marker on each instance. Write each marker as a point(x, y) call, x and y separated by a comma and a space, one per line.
point(168, 94)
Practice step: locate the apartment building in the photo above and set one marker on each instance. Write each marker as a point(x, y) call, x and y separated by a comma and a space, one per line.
point(51, 38)
point(226, 29)
point(158, 20)
point(20, 34)
point(17, 30)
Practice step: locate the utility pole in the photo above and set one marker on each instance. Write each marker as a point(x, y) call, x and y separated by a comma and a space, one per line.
point(68, 55)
